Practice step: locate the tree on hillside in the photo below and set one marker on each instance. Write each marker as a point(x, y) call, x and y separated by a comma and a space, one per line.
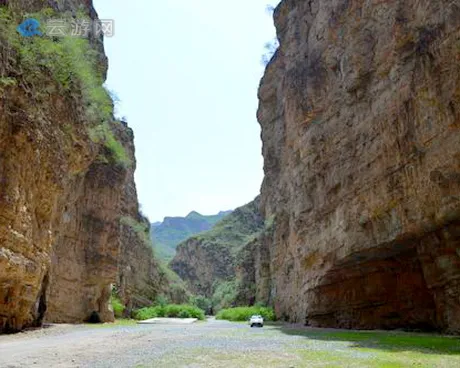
point(272, 46)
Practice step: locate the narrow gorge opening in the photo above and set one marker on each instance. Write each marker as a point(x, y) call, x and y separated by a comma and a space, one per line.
point(165, 172)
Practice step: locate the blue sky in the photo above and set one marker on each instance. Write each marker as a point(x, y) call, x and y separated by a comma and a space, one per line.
point(187, 75)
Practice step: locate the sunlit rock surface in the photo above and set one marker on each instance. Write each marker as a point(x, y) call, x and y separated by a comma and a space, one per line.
point(62, 195)
point(360, 117)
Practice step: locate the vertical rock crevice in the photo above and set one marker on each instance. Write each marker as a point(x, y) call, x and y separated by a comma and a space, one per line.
point(42, 305)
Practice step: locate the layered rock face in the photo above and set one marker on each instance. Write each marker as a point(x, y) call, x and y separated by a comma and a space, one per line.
point(360, 117)
point(207, 259)
point(64, 183)
point(89, 240)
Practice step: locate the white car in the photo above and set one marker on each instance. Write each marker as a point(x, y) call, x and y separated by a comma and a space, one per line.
point(257, 321)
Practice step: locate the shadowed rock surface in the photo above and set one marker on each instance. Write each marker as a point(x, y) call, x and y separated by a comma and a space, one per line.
point(360, 117)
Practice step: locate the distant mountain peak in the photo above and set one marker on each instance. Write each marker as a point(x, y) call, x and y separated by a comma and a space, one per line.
point(194, 214)
point(173, 230)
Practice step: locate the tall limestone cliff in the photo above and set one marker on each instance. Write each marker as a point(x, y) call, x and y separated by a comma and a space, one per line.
point(360, 117)
point(66, 174)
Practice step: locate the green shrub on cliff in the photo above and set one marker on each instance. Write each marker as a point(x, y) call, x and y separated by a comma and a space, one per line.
point(244, 313)
point(104, 134)
point(170, 311)
point(71, 62)
point(6, 82)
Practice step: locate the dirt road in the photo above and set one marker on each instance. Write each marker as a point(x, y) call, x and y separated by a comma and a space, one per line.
point(122, 346)
point(220, 344)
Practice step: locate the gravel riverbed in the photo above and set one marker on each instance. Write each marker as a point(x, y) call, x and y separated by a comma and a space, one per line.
point(204, 344)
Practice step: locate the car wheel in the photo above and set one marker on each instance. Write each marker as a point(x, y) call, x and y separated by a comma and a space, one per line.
point(252, 325)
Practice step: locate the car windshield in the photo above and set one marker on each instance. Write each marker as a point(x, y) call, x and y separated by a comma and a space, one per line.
point(256, 316)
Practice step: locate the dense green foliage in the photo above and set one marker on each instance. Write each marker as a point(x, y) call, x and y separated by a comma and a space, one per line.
point(244, 313)
point(118, 307)
point(167, 235)
point(202, 303)
point(224, 295)
point(73, 65)
point(171, 311)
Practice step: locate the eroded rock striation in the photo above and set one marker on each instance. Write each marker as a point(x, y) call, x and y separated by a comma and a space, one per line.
point(66, 175)
point(360, 117)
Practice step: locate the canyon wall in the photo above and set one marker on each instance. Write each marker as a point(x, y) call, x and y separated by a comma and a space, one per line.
point(66, 175)
point(360, 117)
point(208, 259)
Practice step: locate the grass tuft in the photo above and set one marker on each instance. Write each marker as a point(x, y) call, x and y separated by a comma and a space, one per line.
point(103, 134)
